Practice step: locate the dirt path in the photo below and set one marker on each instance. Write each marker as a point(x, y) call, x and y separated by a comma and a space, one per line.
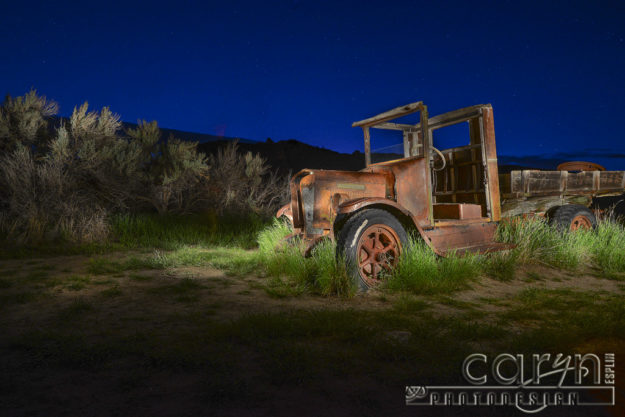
point(105, 335)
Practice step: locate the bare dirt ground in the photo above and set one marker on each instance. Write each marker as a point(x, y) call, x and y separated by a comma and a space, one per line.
point(189, 341)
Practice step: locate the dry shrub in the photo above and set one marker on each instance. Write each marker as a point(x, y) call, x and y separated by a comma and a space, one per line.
point(45, 203)
point(243, 182)
point(24, 120)
point(168, 173)
point(66, 182)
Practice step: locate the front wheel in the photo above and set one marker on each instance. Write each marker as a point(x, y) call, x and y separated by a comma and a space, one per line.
point(371, 243)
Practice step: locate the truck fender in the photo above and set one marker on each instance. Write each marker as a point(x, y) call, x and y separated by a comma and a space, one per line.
point(286, 212)
point(348, 208)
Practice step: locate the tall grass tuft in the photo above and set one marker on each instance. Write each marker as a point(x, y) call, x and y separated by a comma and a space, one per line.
point(501, 265)
point(322, 273)
point(421, 271)
point(538, 242)
point(608, 249)
point(331, 272)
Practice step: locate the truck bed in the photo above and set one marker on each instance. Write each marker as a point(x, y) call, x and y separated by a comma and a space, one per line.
point(535, 191)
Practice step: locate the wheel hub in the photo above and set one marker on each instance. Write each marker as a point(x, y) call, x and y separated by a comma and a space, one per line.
point(581, 222)
point(378, 252)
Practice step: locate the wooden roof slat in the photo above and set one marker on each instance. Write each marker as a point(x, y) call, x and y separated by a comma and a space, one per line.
point(391, 114)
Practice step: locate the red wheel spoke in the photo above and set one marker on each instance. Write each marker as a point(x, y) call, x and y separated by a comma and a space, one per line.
point(389, 247)
point(378, 242)
point(374, 270)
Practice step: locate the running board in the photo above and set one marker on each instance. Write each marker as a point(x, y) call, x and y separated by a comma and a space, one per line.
point(461, 238)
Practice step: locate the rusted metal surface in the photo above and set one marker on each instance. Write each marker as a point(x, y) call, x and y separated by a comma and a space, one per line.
point(579, 166)
point(320, 190)
point(285, 211)
point(311, 242)
point(581, 222)
point(457, 211)
point(460, 237)
point(411, 185)
point(378, 252)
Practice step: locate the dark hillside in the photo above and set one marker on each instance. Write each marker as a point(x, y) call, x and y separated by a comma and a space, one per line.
point(293, 156)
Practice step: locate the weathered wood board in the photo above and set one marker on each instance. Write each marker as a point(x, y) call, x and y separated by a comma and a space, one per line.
point(532, 183)
point(533, 191)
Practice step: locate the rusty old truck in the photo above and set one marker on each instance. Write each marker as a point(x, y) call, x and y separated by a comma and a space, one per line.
point(453, 198)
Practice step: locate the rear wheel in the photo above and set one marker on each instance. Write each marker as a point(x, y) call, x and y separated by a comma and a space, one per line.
point(573, 217)
point(371, 243)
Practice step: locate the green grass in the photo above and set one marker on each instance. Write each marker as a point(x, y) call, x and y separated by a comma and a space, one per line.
point(501, 265)
point(292, 274)
point(76, 310)
point(34, 276)
point(76, 282)
point(173, 232)
point(571, 320)
point(148, 230)
point(455, 303)
point(103, 281)
point(409, 304)
point(534, 304)
point(608, 249)
point(104, 266)
point(140, 277)
point(234, 261)
point(112, 292)
point(183, 290)
point(531, 276)
point(537, 242)
point(420, 271)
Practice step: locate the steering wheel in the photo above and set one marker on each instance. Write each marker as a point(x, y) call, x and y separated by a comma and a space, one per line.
point(442, 158)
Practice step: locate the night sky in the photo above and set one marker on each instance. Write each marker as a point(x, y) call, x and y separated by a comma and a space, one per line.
point(554, 71)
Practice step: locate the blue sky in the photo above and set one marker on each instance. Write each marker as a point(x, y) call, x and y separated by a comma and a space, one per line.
point(553, 71)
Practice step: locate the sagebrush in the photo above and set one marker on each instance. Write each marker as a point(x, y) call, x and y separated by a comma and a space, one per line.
point(66, 178)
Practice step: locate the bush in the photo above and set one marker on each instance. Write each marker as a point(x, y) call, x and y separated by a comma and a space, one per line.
point(168, 172)
point(68, 182)
point(24, 121)
point(244, 182)
point(45, 202)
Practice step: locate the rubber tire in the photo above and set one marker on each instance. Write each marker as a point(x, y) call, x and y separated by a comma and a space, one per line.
point(563, 216)
point(351, 232)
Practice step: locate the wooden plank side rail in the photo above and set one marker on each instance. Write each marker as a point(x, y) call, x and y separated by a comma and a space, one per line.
point(529, 183)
